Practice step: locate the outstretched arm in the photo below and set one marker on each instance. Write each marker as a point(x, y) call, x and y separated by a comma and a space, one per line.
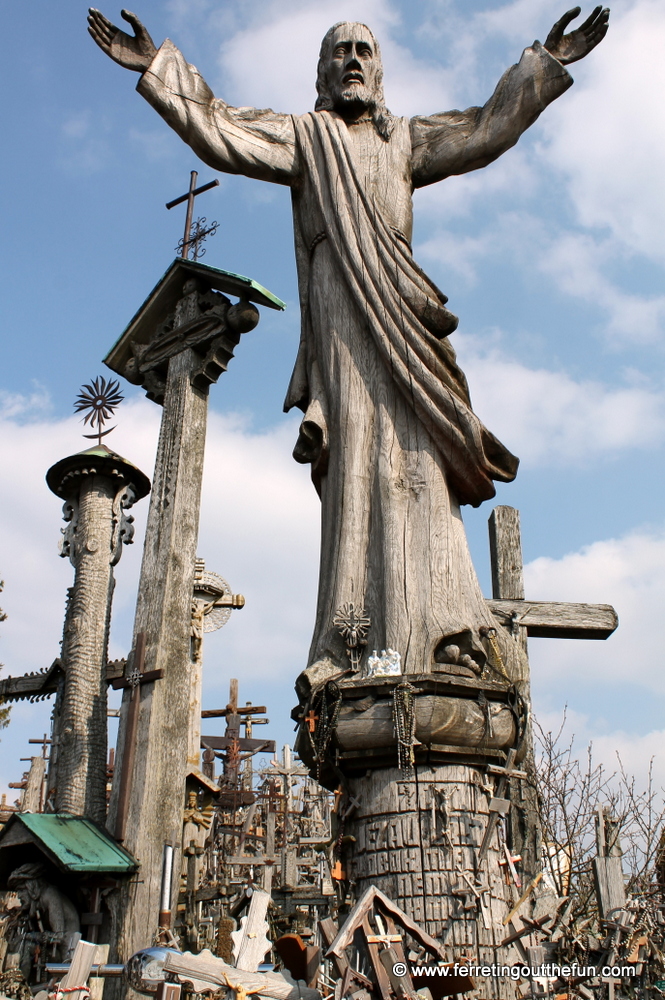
point(459, 141)
point(131, 51)
point(258, 144)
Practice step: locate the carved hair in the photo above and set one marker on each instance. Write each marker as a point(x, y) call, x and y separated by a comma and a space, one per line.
point(384, 122)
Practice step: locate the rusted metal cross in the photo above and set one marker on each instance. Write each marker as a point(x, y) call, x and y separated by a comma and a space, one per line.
point(133, 679)
point(200, 233)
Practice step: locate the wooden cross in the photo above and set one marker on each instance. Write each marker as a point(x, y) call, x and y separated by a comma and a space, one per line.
point(311, 719)
point(247, 719)
point(522, 618)
point(528, 927)
point(543, 619)
point(383, 937)
point(189, 198)
point(499, 805)
point(45, 742)
point(237, 749)
point(134, 678)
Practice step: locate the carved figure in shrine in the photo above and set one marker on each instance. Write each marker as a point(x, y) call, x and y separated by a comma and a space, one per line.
point(46, 917)
point(37, 894)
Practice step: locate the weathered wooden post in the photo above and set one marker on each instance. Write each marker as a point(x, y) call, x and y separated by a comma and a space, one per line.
point(98, 487)
point(176, 346)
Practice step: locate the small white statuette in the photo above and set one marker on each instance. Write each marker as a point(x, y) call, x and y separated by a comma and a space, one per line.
point(386, 665)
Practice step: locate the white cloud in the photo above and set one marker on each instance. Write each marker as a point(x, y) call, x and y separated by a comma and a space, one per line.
point(628, 573)
point(259, 530)
point(548, 417)
point(584, 267)
point(582, 264)
point(607, 133)
point(513, 175)
point(16, 404)
point(77, 125)
point(272, 61)
point(616, 749)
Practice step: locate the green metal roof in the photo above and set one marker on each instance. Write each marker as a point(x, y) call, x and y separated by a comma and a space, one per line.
point(77, 844)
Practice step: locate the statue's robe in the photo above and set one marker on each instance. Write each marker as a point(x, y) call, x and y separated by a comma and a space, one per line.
point(394, 445)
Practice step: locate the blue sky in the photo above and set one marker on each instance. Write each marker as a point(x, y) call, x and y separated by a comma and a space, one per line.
point(552, 257)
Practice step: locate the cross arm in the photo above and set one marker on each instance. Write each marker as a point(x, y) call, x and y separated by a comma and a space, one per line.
point(557, 619)
point(220, 713)
point(125, 682)
point(33, 686)
point(226, 742)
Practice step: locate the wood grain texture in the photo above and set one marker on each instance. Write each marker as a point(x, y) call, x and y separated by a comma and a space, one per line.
point(454, 721)
point(82, 961)
point(414, 837)
point(506, 554)
point(205, 970)
point(32, 797)
point(164, 613)
point(557, 620)
point(610, 886)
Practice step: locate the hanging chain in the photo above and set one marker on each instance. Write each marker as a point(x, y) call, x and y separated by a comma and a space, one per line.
point(495, 658)
point(404, 724)
point(329, 709)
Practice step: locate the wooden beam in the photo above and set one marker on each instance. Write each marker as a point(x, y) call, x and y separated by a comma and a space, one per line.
point(226, 742)
point(506, 554)
point(556, 619)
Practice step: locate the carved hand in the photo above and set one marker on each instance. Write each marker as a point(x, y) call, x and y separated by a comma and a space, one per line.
point(578, 44)
point(132, 51)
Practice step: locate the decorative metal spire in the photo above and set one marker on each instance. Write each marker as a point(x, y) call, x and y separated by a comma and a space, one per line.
point(100, 399)
point(195, 232)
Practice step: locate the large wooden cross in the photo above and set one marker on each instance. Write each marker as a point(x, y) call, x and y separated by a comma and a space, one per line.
point(237, 749)
point(543, 619)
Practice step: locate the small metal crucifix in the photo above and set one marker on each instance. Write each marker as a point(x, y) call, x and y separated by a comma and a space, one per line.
point(195, 232)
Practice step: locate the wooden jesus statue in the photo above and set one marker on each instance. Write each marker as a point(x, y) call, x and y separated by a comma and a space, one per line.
point(394, 445)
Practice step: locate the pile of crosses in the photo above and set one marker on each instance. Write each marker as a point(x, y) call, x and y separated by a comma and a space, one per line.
point(604, 937)
point(248, 829)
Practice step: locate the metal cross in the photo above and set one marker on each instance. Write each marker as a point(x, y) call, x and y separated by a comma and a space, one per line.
point(196, 233)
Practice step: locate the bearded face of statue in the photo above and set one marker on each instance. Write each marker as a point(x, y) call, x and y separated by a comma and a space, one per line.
point(352, 69)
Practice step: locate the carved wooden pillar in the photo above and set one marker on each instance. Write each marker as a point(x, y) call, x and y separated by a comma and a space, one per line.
point(176, 347)
point(419, 832)
point(98, 487)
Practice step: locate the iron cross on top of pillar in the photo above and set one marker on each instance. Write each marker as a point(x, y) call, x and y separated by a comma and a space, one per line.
point(194, 234)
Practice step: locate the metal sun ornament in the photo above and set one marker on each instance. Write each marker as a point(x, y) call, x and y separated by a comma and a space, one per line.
point(100, 399)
